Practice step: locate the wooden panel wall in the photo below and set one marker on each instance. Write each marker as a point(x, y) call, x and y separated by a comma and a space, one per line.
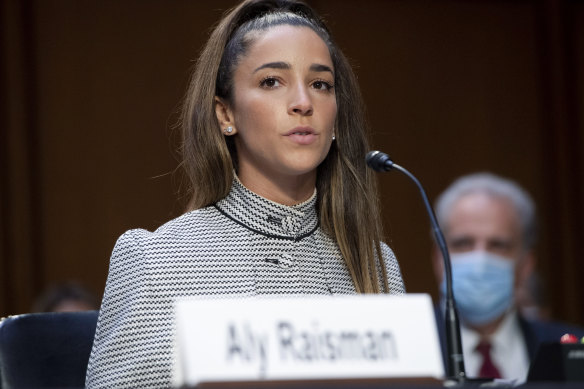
point(90, 89)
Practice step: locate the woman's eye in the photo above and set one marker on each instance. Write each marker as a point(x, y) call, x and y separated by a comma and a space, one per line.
point(322, 85)
point(270, 82)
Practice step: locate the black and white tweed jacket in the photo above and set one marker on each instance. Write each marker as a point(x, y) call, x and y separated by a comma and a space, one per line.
point(244, 245)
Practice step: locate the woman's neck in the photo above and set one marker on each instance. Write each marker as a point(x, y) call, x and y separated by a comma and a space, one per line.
point(286, 190)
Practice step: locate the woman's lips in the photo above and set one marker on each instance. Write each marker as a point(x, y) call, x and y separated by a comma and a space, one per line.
point(302, 135)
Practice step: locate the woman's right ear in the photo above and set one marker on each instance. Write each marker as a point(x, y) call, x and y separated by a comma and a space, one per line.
point(224, 117)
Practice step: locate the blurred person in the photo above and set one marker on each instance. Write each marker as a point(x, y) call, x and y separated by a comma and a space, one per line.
point(66, 297)
point(281, 200)
point(489, 224)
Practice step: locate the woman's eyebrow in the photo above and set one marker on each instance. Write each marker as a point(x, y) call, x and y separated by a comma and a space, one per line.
point(315, 67)
point(274, 65)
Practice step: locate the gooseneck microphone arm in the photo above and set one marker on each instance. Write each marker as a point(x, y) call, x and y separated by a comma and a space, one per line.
point(381, 162)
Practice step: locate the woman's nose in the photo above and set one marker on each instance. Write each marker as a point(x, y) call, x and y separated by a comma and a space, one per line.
point(300, 101)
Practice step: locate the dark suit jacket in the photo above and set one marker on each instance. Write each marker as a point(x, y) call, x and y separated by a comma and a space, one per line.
point(535, 332)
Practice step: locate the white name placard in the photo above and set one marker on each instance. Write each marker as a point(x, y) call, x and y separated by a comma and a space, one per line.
point(364, 336)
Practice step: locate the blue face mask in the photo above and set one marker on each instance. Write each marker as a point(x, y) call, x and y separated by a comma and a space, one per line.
point(482, 285)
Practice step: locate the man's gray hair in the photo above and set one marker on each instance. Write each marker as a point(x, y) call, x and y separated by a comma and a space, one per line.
point(495, 186)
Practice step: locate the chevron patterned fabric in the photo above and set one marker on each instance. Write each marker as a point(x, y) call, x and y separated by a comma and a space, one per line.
point(244, 245)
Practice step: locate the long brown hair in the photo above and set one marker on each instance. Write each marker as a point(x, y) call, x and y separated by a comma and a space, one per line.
point(347, 192)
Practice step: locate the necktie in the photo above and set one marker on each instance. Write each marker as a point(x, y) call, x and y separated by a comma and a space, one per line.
point(488, 369)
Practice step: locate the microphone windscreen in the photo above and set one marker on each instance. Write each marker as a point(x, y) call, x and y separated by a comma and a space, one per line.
point(378, 161)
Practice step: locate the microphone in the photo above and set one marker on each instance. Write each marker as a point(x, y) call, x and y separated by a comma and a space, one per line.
point(381, 162)
point(378, 161)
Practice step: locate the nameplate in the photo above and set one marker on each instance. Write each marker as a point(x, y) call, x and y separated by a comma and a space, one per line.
point(251, 339)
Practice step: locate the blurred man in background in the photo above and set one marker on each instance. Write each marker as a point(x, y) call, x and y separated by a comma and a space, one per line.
point(66, 297)
point(489, 225)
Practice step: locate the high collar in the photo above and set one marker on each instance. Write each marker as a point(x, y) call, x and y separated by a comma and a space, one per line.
point(267, 217)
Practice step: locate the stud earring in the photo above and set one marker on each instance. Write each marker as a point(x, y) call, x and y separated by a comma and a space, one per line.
point(334, 137)
point(228, 130)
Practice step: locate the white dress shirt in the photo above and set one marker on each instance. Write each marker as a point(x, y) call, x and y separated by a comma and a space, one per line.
point(508, 350)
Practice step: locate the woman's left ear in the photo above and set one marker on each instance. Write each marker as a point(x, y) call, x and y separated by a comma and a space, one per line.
point(224, 117)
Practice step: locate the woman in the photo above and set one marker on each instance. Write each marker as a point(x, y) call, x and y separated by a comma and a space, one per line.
point(281, 202)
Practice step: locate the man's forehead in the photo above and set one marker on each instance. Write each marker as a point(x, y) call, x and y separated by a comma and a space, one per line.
point(479, 213)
